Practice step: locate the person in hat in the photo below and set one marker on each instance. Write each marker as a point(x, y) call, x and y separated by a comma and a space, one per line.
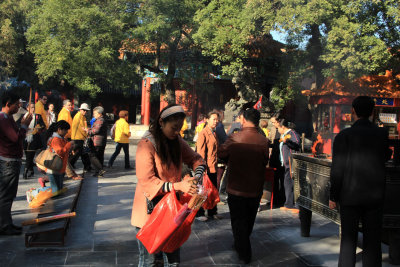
point(78, 136)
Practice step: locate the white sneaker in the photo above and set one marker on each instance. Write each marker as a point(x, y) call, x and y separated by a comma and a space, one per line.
point(202, 218)
point(29, 196)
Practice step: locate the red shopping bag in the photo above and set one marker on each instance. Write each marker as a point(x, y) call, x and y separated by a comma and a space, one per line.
point(212, 194)
point(181, 235)
point(169, 216)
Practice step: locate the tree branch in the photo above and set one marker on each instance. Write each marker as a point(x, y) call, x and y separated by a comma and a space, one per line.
point(152, 69)
point(187, 36)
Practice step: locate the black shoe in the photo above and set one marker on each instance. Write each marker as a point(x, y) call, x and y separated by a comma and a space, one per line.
point(10, 230)
point(129, 168)
point(31, 173)
point(87, 170)
point(17, 227)
point(246, 259)
point(101, 173)
point(25, 174)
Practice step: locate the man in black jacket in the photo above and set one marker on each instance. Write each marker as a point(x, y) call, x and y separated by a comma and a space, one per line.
point(358, 184)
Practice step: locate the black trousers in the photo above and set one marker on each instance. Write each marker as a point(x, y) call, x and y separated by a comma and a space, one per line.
point(118, 147)
point(99, 152)
point(78, 148)
point(243, 212)
point(371, 218)
point(288, 182)
point(213, 211)
point(9, 177)
point(29, 155)
point(279, 188)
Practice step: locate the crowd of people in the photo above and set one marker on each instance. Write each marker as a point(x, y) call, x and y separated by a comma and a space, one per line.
point(235, 161)
point(34, 127)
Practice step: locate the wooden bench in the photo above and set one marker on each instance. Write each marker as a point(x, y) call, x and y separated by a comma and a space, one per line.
point(52, 233)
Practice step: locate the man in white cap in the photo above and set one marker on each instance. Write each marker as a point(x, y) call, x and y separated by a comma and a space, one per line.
point(78, 135)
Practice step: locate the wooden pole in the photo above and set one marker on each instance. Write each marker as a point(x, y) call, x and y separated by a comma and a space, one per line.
point(49, 218)
point(30, 99)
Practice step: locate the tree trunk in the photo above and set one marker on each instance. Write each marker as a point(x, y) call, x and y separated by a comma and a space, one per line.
point(315, 49)
point(169, 95)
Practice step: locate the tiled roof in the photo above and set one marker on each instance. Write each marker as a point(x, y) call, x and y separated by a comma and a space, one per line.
point(372, 85)
point(259, 47)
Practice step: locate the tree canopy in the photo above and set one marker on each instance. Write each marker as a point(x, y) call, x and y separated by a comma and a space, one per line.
point(13, 54)
point(78, 42)
point(325, 38)
point(165, 26)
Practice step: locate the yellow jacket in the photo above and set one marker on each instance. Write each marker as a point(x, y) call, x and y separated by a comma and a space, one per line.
point(184, 128)
point(200, 127)
point(78, 123)
point(266, 131)
point(39, 109)
point(122, 132)
point(65, 114)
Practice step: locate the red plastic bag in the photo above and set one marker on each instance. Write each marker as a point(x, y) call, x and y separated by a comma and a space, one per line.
point(167, 226)
point(181, 235)
point(212, 195)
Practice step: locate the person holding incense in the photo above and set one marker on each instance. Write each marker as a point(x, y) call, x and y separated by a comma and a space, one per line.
point(159, 157)
point(33, 140)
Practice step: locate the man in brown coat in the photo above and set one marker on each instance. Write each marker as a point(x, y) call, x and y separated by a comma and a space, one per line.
point(247, 155)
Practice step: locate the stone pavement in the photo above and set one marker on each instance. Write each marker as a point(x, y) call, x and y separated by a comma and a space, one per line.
point(101, 234)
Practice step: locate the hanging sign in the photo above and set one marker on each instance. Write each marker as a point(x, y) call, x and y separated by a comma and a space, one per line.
point(383, 101)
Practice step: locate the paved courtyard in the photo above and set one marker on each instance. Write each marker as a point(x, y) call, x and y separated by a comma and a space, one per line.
point(101, 234)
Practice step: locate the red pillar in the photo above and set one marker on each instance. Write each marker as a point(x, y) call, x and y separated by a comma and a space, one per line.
point(337, 119)
point(142, 103)
point(146, 120)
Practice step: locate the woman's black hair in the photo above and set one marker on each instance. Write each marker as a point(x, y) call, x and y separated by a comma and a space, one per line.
point(62, 124)
point(285, 122)
point(168, 150)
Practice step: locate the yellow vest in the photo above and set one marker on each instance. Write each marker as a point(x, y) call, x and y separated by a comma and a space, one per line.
point(122, 132)
point(65, 114)
point(78, 123)
point(39, 109)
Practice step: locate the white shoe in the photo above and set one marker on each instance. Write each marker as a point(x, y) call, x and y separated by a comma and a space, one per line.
point(29, 196)
point(202, 218)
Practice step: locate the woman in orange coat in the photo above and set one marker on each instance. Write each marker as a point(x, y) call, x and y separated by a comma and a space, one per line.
point(56, 142)
point(207, 143)
point(159, 159)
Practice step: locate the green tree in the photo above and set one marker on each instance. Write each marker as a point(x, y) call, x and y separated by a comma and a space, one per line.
point(235, 33)
point(345, 39)
point(165, 26)
point(13, 52)
point(226, 27)
point(78, 42)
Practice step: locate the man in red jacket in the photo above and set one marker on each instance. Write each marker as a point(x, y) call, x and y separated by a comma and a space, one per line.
point(11, 148)
point(247, 155)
